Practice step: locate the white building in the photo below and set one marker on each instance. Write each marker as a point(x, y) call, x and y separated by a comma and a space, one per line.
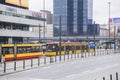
point(104, 31)
point(48, 31)
point(48, 16)
point(15, 24)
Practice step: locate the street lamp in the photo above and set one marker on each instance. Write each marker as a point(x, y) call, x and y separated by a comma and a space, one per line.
point(114, 37)
point(109, 3)
point(60, 36)
point(94, 27)
point(39, 33)
point(44, 20)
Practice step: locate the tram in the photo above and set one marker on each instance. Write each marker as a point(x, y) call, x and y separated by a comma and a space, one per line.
point(21, 51)
point(85, 47)
point(53, 48)
point(27, 51)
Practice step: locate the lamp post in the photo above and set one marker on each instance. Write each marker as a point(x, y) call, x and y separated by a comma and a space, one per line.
point(39, 33)
point(114, 37)
point(109, 3)
point(44, 20)
point(94, 36)
point(60, 36)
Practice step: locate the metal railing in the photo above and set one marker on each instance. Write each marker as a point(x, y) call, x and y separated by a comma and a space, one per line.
point(114, 76)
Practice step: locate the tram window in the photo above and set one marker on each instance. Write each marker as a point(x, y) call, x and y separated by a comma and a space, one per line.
point(7, 51)
point(77, 47)
point(62, 48)
point(49, 48)
point(21, 50)
point(38, 49)
point(28, 49)
point(35, 49)
point(68, 48)
point(52, 47)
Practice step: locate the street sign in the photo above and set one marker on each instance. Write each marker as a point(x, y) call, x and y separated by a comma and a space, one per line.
point(91, 45)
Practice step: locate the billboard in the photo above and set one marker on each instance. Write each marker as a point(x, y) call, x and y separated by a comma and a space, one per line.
point(115, 26)
point(116, 20)
point(20, 3)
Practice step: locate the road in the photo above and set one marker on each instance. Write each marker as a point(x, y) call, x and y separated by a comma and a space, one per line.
point(91, 68)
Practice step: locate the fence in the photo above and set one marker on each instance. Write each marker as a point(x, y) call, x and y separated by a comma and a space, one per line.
point(13, 66)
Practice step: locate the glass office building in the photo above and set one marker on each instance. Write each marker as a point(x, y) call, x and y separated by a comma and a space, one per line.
point(74, 17)
point(90, 12)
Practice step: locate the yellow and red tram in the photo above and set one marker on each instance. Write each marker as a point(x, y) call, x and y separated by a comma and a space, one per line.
point(21, 51)
point(66, 48)
point(53, 49)
point(27, 51)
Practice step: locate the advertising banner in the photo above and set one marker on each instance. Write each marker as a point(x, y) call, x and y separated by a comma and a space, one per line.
point(115, 26)
point(116, 20)
point(21, 3)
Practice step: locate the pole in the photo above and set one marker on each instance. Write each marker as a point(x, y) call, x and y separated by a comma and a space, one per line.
point(60, 36)
point(109, 20)
point(39, 33)
point(44, 20)
point(0, 52)
point(114, 38)
point(15, 56)
point(94, 36)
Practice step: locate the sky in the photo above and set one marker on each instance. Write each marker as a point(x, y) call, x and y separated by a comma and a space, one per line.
point(100, 9)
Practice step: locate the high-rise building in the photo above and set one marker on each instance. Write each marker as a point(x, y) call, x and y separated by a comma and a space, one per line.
point(93, 30)
point(74, 17)
point(2, 1)
point(90, 11)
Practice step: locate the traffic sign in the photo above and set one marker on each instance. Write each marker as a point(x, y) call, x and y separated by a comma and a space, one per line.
point(91, 45)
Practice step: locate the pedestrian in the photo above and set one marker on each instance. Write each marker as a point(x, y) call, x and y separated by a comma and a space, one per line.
point(2, 59)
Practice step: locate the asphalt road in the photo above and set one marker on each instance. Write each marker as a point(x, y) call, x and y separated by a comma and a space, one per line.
point(91, 68)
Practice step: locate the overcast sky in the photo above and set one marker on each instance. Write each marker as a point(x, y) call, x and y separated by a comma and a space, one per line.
point(100, 8)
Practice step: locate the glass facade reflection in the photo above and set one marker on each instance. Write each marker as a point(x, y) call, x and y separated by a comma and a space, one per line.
point(90, 12)
point(2, 1)
point(74, 15)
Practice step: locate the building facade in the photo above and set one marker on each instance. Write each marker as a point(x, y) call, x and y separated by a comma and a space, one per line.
point(48, 16)
point(104, 31)
point(15, 24)
point(115, 26)
point(90, 11)
point(93, 30)
point(74, 17)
